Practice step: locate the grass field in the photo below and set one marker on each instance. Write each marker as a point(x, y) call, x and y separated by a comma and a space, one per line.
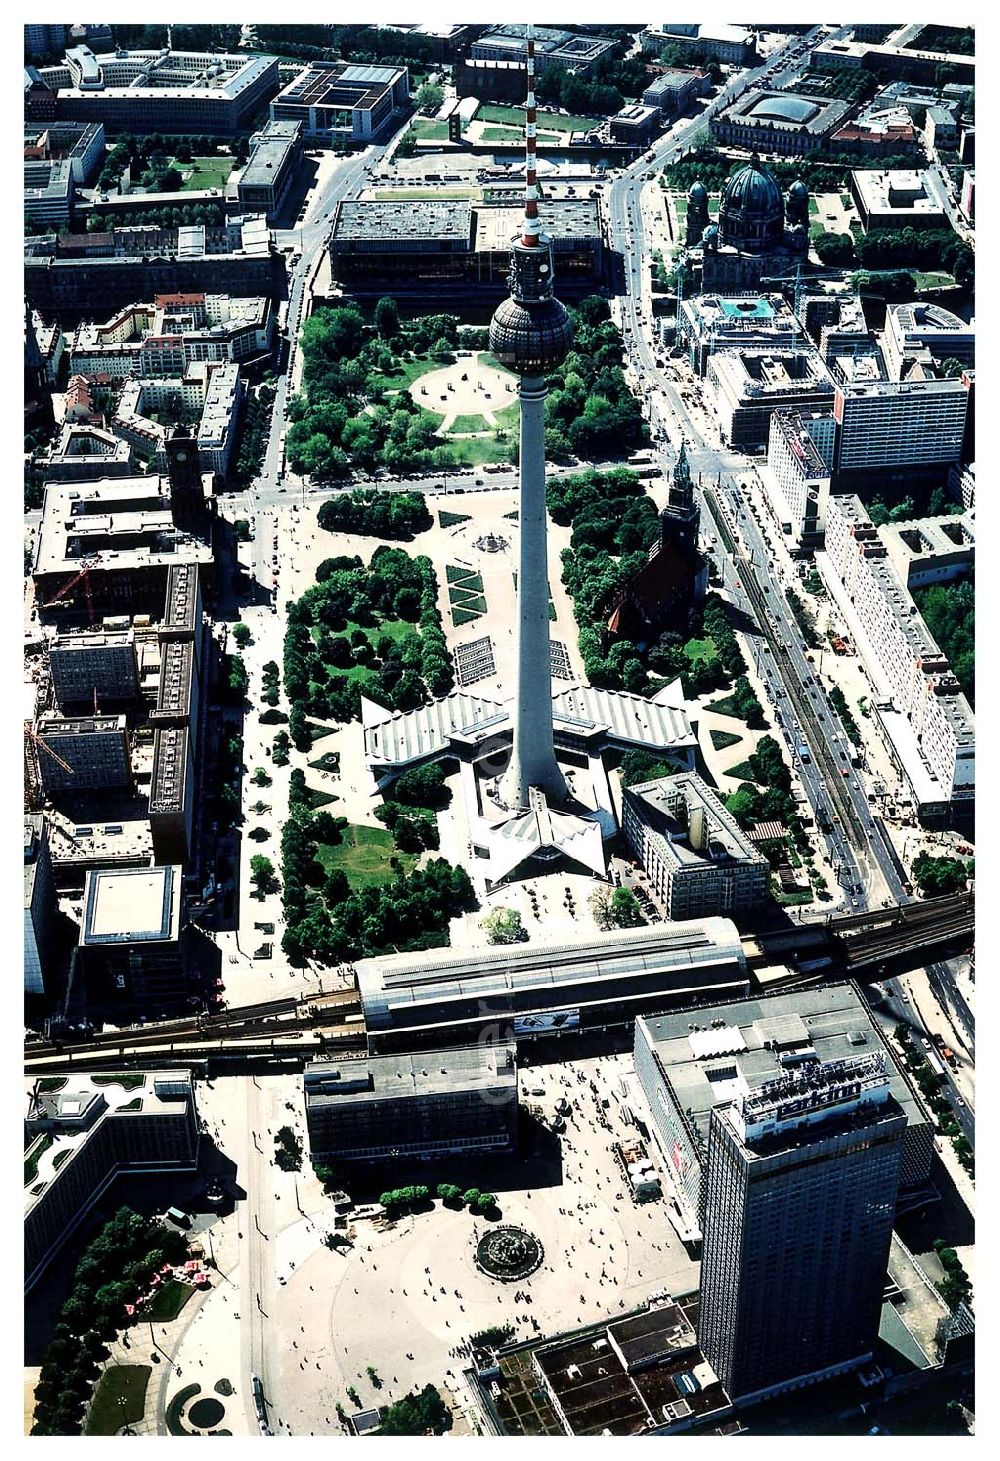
point(742, 771)
point(429, 131)
point(168, 1301)
point(205, 172)
point(698, 649)
point(463, 425)
point(364, 855)
point(547, 121)
point(936, 279)
point(405, 195)
point(122, 1382)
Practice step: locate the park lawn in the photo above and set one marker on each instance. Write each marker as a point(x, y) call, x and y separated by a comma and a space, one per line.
point(462, 425)
point(473, 451)
point(364, 855)
point(507, 418)
point(722, 740)
point(122, 1382)
point(205, 172)
point(698, 649)
point(168, 1301)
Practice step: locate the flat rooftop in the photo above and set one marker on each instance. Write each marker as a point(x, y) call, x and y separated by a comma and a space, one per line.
point(388, 1078)
point(715, 1053)
point(131, 905)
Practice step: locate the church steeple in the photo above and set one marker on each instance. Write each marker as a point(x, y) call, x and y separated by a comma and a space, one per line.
point(679, 519)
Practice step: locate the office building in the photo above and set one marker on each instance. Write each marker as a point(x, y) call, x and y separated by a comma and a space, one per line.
point(729, 44)
point(64, 275)
point(215, 391)
point(940, 129)
point(44, 40)
point(427, 246)
point(124, 535)
point(48, 192)
point(523, 993)
point(786, 122)
point(175, 331)
point(85, 452)
point(635, 125)
point(926, 721)
point(401, 1107)
point(554, 48)
point(925, 334)
point(698, 861)
point(95, 751)
point(800, 1194)
point(82, 1137)
point(338, 102)
point(162, 91)
point(930, 550)
point(690, 1061)
point(40, 908)
point(81, 144)
point(93, 667)
point(674, 91)
point(744, 387)
point(270, 169)
point(893, 62)
point(710, 322)
point(896, 200)
point(900, 424)
point(800, 448)
point(134, 944)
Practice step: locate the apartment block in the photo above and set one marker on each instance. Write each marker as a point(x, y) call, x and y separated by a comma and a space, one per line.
point(90, 668)
point(39, 905)
point(82, 1137)
point(901, 424)
point(928, 721)
point(800, 450)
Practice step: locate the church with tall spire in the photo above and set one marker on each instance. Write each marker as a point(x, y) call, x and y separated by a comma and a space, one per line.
point(671, 585)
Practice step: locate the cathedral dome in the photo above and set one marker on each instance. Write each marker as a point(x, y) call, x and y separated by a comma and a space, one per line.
point(752, 214)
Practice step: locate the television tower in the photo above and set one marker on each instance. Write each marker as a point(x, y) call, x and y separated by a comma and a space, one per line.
point(531, 334)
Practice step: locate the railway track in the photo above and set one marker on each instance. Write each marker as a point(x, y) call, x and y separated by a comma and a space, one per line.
point(814, 732)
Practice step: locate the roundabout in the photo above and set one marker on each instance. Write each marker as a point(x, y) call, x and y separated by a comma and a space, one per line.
point(508, 1253)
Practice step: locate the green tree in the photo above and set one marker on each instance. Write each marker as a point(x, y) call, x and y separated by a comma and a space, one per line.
point(262, 874)
point(387, 318)
point(624, 909)
point(504, 926)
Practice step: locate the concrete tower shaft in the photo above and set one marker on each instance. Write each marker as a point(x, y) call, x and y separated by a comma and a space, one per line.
point(531, 333)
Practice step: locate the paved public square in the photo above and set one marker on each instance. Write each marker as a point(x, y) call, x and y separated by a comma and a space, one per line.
point(406, 1298)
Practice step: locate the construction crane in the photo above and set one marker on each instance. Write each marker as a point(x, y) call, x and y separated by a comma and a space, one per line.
point(82, 573)
point(32, 774)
